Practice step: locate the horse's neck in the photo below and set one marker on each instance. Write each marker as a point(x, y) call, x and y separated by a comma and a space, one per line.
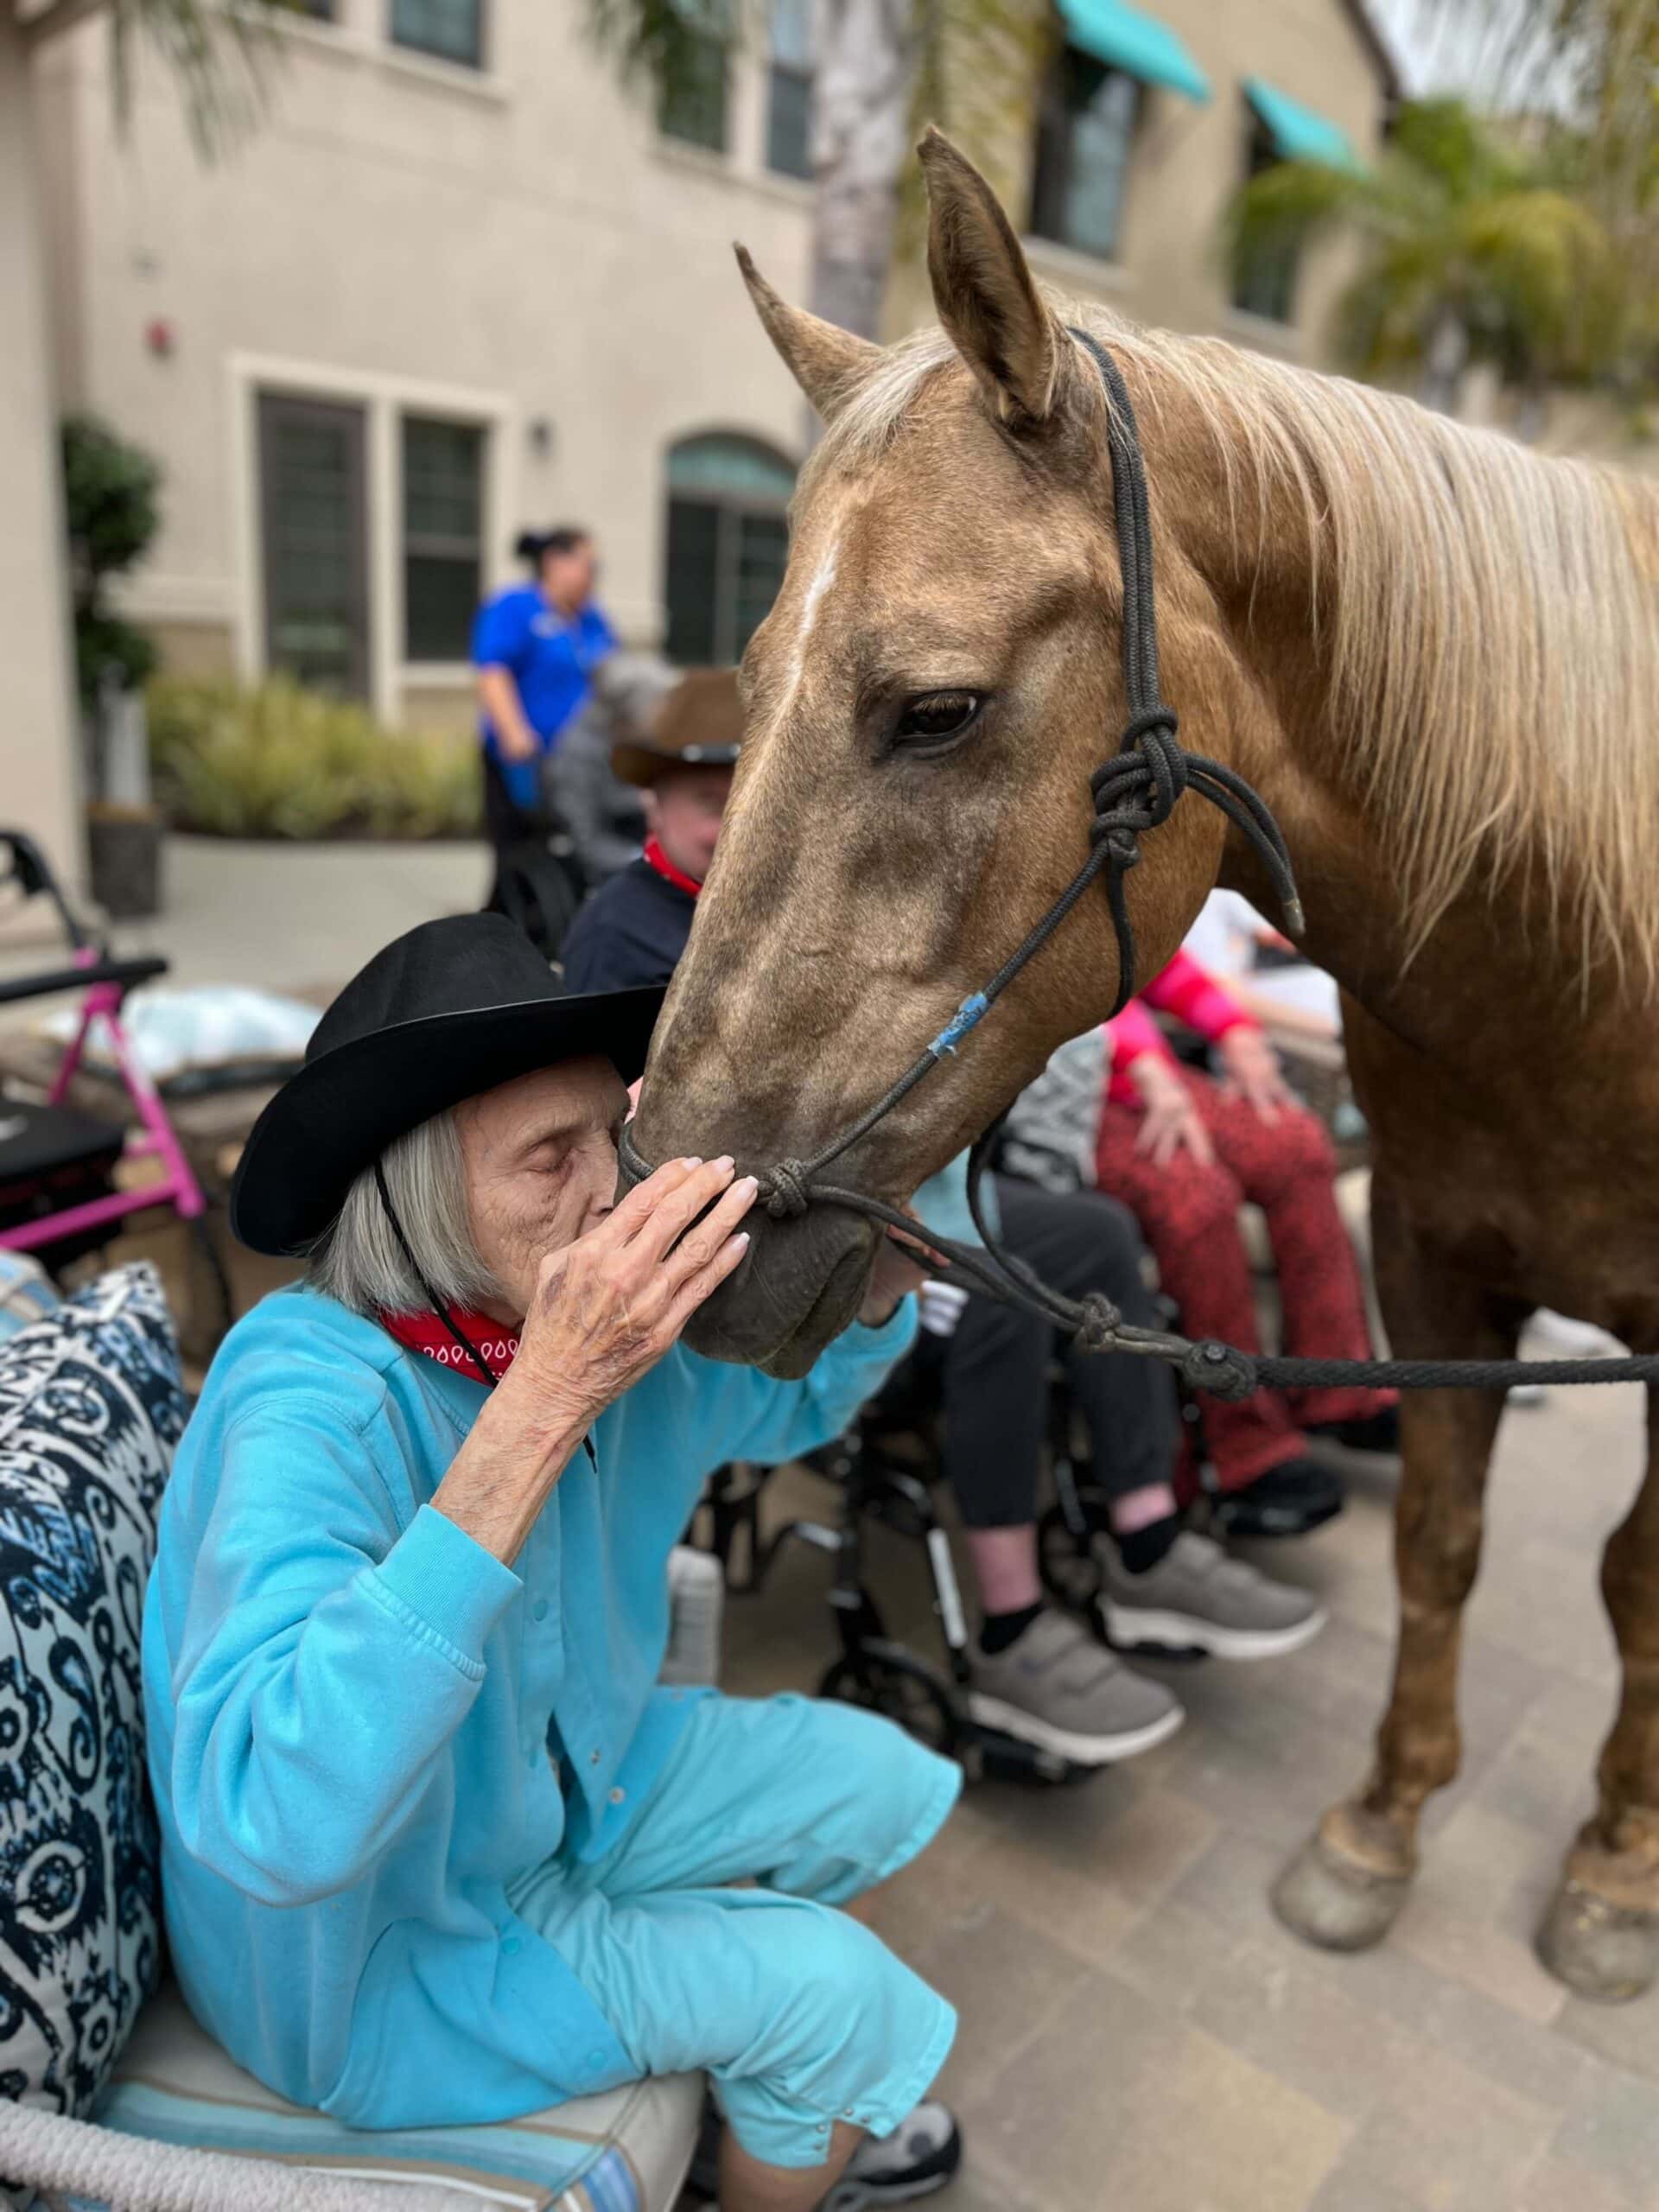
point(1487, 988)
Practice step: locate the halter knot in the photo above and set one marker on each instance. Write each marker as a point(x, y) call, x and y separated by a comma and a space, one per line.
point(785, 1189)
point(1097, 1330)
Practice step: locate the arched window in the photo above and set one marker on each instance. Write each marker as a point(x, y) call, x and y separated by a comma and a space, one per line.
point(727, 542)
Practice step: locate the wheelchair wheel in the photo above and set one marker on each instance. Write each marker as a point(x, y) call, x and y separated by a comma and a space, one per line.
point(1066, 1559)
point(901, 1687)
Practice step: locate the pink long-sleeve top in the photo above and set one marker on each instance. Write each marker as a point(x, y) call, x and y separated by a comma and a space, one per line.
point(1192, 995)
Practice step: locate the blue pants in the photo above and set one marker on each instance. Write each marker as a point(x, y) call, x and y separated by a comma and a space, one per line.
point(801, 2016)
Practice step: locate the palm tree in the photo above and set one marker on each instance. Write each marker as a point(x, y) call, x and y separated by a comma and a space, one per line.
point(1476, 243)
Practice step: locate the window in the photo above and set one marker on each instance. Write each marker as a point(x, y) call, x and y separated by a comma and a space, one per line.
point(727, 544)
point(789, 97)
point(693, 104)
point(1085, 132)
point(452, 29)
point(313, 527)
point(443, 536)
point(1268, 287)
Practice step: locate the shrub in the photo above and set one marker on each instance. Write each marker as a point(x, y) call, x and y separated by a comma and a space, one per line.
point(109, 490)
point(280, 761)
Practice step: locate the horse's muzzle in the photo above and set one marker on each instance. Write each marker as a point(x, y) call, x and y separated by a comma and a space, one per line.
point(801, 1281)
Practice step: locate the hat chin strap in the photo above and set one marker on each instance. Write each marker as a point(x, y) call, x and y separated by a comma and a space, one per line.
point(491, 1378)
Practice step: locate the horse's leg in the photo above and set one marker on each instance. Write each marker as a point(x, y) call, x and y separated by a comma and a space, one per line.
point(1601, 1933)
point(1344, 1888)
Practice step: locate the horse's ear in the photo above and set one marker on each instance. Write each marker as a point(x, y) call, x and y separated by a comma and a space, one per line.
point(986, 295)
point(825, 360)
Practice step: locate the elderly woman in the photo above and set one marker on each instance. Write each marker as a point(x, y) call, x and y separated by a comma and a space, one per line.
point(436, 1849)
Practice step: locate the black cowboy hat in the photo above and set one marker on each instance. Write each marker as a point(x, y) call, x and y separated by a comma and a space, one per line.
point(452, 1008)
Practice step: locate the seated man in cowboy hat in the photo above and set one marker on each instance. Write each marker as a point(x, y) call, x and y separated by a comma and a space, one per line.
point(437, 1850)
point(638, 922)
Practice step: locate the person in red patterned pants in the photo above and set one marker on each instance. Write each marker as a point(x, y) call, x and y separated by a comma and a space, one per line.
point(1183, 1151)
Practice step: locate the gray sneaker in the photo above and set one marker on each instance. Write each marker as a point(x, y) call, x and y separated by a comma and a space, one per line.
point(1058, 1689)
point(1198, 1598)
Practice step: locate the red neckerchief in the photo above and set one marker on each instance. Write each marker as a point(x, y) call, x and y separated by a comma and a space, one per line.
point(657, 858)
point(424, 1332)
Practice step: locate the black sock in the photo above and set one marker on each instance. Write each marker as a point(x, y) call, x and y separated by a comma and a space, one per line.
point(998, 1630)
point(1143, 1548)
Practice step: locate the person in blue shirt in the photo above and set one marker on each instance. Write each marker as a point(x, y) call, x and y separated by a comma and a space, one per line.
point(535, 646)
point(437, 1848)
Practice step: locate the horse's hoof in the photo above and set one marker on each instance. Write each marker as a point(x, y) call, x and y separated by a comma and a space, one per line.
point(1331, 1900)
point(1606, 1952)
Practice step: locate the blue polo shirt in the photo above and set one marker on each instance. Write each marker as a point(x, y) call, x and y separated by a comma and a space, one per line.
point(550, 655)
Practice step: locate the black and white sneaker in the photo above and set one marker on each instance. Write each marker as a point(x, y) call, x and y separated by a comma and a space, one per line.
point(916, 2160)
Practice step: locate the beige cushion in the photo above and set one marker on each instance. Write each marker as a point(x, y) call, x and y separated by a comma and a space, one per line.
point(625, 2151)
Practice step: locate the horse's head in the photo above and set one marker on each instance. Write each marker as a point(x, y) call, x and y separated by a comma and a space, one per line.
point(924, 705)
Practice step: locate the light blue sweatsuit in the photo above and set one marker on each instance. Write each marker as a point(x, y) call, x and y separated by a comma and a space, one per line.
point(368, 1736)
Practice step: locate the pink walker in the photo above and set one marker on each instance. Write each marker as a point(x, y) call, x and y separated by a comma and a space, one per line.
point(57, 1193)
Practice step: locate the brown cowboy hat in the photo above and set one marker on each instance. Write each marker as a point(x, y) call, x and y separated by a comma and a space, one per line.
point(698, 725)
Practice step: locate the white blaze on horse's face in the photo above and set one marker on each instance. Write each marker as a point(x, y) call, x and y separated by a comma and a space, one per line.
point(823, 577)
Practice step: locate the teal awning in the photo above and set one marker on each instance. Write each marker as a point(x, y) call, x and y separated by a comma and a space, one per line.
point(1138, 44)
point(1299, 133)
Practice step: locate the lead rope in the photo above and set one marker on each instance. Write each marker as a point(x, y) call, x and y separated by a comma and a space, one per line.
point(1137, 789)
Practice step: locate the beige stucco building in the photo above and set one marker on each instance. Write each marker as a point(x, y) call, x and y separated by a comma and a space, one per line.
point(459, 280)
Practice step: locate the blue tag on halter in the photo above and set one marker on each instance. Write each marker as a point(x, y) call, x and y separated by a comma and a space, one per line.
point(964, 1019)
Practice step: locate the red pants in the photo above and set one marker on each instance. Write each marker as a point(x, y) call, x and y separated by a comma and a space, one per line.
point(1189, 1215)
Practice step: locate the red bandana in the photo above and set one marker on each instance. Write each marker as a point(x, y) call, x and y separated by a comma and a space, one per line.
point(424, 1332)
point(657, 858)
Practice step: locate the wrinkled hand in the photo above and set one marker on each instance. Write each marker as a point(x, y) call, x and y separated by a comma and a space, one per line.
point(609, 1306)
point(1171, 1124)
point(1253, 1072)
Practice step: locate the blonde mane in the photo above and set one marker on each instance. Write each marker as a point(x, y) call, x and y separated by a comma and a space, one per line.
point(1490, 617)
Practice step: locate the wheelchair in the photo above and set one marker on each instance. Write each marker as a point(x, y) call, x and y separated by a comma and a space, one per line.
point(883, 1471)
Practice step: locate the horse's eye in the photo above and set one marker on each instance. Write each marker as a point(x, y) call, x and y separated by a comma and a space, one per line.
point(937, 714)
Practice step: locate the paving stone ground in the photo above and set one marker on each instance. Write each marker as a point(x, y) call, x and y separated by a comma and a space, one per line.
point(1138, 2033)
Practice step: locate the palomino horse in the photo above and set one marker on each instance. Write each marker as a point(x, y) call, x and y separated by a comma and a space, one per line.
point(1434, 656)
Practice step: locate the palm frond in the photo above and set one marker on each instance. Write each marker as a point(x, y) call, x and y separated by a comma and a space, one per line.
point(1550, 276)
point(1286, 209)
point(221, 58)
point(664, 43)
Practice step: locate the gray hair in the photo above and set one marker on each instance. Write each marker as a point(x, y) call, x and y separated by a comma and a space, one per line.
point(358, 1260)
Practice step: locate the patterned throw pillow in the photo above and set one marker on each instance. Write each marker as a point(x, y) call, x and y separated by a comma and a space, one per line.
point(91, 1409)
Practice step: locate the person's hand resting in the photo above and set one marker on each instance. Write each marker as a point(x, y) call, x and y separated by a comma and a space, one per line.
point(1171, 1122)
point(1251, 1072)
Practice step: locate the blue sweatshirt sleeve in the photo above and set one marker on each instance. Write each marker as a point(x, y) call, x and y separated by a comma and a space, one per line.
point(325, 1656)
